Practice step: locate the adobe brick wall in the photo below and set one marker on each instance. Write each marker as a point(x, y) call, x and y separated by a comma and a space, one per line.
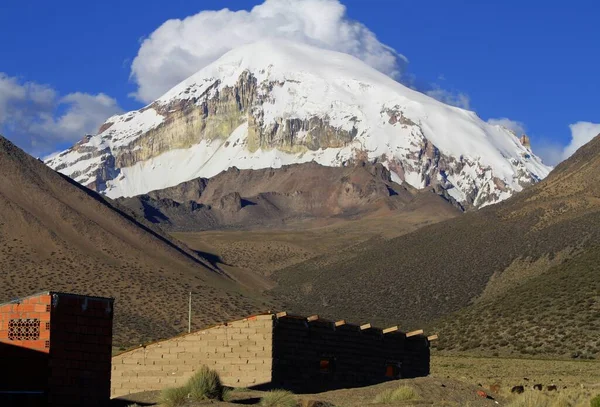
point(80, 350)
point(417, 357)
point(240, 351)
point(359, 357)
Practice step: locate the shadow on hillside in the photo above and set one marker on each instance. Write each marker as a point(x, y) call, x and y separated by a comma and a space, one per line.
point(215, 260)
point(130, 217)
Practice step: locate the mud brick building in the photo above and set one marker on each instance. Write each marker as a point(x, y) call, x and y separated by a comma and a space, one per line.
point(279, 351)
point(55, 350)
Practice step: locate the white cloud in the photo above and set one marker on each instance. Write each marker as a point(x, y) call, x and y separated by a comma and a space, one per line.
point(84, 114)
point(16, 97)
point(179, 48)
point(581, 133)
point(457, 99)
point(517, 127)
point(37, 119)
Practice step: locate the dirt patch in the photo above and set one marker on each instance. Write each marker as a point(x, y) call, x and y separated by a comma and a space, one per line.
point(455, 381)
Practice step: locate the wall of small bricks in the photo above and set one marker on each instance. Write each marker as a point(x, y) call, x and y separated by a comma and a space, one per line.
point(240, 351)
point(80, 350)
point(357, 357)
point(417, 355)
point(69, 364)
point(25, 362)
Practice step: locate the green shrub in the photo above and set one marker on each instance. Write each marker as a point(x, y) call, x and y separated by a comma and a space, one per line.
point(393, 395)
point(205, 384)
point(278, 398)
point(227, 394)
point(595, 402)
point(174, 397)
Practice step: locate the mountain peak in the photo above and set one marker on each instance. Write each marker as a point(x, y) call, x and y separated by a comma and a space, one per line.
point(277, 102)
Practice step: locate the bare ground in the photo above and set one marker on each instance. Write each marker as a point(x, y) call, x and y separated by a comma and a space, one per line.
point(455, 381)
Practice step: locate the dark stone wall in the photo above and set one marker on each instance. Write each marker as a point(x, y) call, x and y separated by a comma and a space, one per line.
point(80, 350)
point(416, 360)
point(302, 350)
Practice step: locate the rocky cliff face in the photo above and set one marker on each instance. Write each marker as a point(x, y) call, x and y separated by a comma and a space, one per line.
point(249, 198)
point(254, 113)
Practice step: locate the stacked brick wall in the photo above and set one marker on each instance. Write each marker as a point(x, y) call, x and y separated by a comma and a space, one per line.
point(24, 345)
point(240, 351)
point(417, 357)
point(80, 350)
point(356, 357)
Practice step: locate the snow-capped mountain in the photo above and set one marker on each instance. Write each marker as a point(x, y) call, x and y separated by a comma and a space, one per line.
point(274, 103)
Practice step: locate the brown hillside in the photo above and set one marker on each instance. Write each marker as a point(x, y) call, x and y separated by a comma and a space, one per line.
point(57, 235)
point(277, 197)
point(479, 257)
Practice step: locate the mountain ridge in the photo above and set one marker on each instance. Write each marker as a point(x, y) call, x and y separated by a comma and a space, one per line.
point(274, 103)
point(56, 234)
point(237, 199)
point(470, 271)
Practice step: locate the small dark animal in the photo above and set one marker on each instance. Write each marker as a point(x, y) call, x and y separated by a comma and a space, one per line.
point(551, 388)
point(517, 389)
point(538, 387)
point(526, 379)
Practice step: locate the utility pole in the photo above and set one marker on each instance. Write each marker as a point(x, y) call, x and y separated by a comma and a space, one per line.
point(190, 314)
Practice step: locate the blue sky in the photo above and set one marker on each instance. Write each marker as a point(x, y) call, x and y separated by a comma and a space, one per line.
point(67, 65)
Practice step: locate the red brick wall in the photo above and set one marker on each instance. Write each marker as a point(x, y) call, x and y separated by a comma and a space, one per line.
point(24, 358)
point(69, 364)
point(28, 308)
point(24, 363)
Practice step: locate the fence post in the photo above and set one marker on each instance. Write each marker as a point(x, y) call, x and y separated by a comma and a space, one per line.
point(190, 314)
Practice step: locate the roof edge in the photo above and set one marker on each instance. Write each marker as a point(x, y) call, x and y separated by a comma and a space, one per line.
point(60, 293)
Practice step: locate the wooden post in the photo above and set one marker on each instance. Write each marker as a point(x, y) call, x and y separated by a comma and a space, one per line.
point(312, 318)
point(432, 338)
point(390, 329)
point(190, 314)
point(365, 326)
point(340, 323)
point(281, 314)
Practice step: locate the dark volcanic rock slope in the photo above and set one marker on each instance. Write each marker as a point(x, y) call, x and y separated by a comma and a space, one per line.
point(267, 197)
